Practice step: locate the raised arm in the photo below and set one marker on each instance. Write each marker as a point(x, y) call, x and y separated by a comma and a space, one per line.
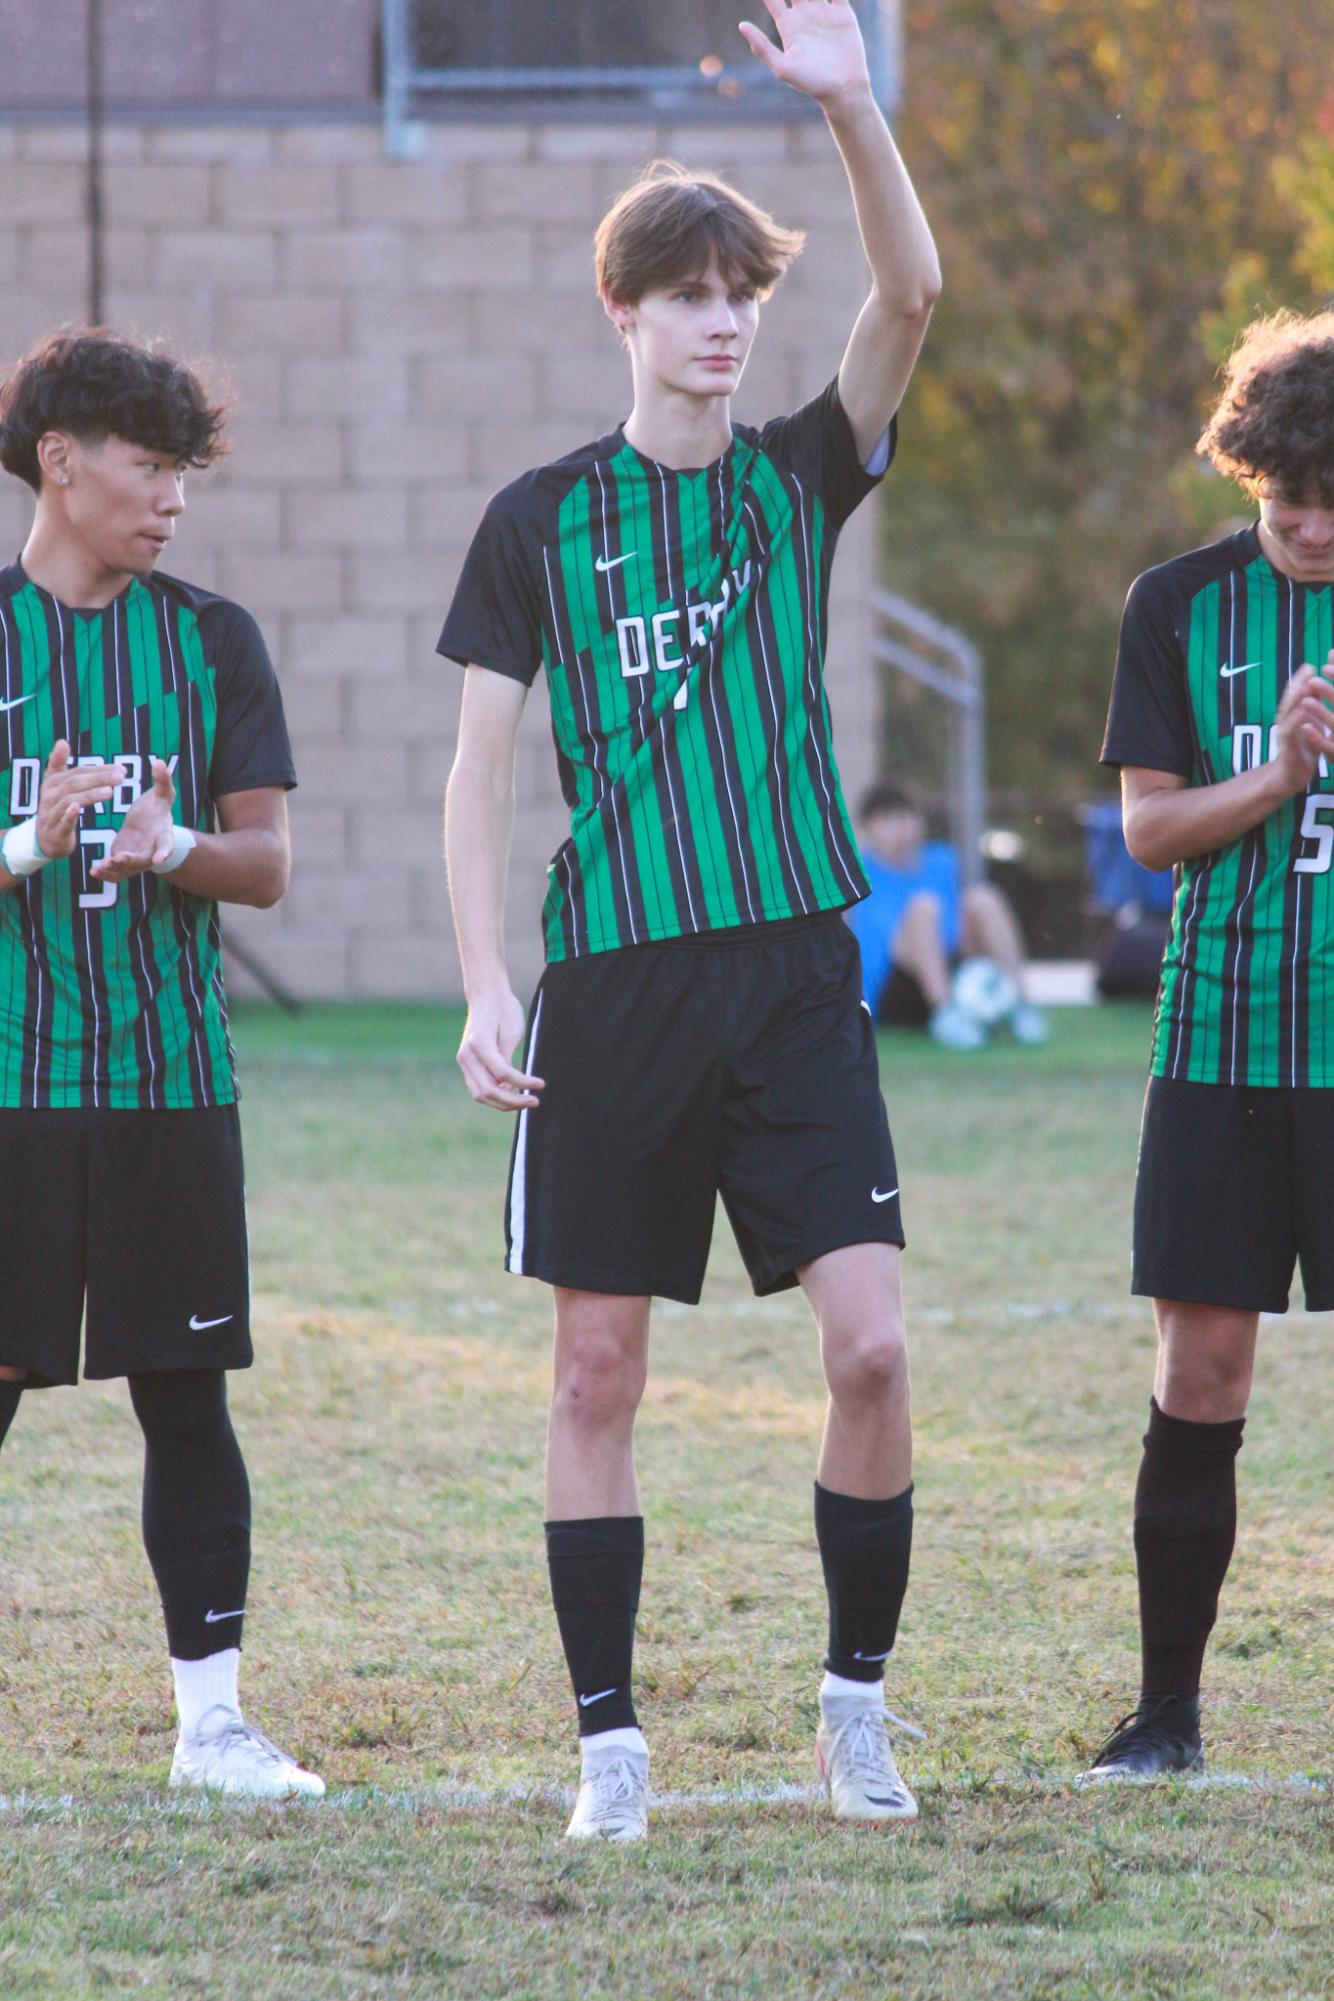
point(822, 55)
point(479, 824)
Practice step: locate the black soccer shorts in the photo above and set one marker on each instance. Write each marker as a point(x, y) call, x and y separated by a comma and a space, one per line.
point(1232, 1192)
point(140, 1215)
point(740, 1063)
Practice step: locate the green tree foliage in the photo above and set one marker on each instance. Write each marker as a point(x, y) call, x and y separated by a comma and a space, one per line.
point(1117, 187)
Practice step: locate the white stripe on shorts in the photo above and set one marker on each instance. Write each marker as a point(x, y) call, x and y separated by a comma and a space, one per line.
point(518, 1190)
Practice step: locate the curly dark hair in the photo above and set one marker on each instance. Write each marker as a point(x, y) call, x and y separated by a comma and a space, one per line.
point(1274, 422)
point(96, 384)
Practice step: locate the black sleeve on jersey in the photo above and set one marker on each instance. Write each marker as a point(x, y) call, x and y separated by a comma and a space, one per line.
point(495, 618)
point(1148, 722)
point(250, 742)
point(816, 443)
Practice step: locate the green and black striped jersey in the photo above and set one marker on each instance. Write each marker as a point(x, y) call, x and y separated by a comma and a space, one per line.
point(681, 618)
point(111, 994)
point(1208, 644)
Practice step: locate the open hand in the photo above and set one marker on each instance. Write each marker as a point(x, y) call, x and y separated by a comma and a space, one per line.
point(67, 789)
point(822, 51)
point(147, 834)
point(1304, 724)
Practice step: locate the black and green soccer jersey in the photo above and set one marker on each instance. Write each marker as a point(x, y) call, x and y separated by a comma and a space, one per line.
point(111, 994)
point(1209, 642)
point(681, 618)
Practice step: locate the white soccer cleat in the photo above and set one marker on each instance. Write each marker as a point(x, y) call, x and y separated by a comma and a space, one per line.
point(1028, 1024)
point(856, 1763)
point(228, 1755)
point(953, 1027)
point(613, 1800)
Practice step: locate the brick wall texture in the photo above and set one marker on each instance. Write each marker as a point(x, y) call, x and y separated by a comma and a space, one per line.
point(402, 338)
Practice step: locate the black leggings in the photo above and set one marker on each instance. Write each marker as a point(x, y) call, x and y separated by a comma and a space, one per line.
point(196, 1505)
point(196, 1508)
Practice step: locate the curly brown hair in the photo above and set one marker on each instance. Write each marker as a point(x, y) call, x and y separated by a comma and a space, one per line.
point(1273, 425)
point(96, 384)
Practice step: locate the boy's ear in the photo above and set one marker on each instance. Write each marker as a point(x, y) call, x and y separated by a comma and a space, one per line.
point(621, 316)
point(54, 451)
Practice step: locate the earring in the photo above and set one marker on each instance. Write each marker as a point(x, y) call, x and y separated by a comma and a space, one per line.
point(64, 479)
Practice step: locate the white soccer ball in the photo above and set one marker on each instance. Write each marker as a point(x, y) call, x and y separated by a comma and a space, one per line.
point(984, 991)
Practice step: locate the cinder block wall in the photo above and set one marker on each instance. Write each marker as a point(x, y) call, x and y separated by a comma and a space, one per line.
point(402, 338)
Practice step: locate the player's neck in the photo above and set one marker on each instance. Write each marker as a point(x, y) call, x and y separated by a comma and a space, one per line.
point(681, 432)
point(64, 566)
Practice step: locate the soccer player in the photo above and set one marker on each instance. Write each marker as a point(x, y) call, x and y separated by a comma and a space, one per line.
point(144, 766)
point(1223, 730)
point(699, 1025)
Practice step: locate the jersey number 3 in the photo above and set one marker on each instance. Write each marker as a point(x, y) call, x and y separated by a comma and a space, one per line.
point(103, 894)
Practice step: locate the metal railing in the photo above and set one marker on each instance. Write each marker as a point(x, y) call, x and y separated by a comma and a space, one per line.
point(937, 657)
point(412, 85)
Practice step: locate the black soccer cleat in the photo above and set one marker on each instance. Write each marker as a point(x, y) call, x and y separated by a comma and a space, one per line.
point(1161, 1735)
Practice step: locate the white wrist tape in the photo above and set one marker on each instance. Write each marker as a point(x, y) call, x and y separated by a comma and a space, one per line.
point(184, 842)
point(21, 852)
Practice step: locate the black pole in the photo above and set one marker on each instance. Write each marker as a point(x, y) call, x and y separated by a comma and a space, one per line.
point(96, 108)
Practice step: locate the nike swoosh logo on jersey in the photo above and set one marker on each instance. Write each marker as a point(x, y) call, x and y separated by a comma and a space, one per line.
point(1245, 668)
point(601, 1696)
point(604, 563)
point(5, 707)
point(197, 1325)
point(882, 1195)
point(216, 1618)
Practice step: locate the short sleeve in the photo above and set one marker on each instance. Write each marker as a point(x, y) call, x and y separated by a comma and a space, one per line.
point(1148, 721)
point(495, 619)
point(816, 443)
point(250, 744)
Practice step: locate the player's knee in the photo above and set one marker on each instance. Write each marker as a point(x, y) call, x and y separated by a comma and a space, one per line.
point(11, 1375)
point(1207, 1388)
point(923, 909)
point(180, 1406)
point(868, 1368)
point(983, 899)
point(599, 1382)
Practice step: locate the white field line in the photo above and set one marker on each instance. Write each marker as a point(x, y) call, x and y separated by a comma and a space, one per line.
point(458, 1798)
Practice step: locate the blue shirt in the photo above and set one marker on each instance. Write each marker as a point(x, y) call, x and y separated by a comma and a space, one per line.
point(876, 919)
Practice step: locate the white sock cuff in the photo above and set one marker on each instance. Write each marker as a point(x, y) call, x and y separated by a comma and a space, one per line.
point(202, 1685)
point(605, 1744)
point(837, 1688)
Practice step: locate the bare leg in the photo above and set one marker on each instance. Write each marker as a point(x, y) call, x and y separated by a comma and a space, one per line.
point(1206, 1360)
point(855, 1294)
point(991, 930)
point(918, 946)
point(601, 1364)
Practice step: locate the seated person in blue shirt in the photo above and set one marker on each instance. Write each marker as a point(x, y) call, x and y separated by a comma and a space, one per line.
point(918, 923)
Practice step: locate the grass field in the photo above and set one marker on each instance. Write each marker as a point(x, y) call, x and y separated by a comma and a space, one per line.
point(401, 1639)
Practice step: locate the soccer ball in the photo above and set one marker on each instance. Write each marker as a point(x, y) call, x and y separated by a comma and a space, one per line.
point(984, 991)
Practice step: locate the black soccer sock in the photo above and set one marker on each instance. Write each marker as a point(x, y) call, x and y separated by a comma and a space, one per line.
point(196, 1508)
point(597, 1566)
point(10, 1392)
point(865, 1547)
point(1185, 1526)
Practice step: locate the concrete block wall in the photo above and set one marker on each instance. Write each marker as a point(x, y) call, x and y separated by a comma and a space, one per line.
point(402, 338)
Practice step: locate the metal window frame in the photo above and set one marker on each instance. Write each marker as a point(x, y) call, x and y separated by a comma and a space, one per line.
point(942, 659)
point(409, 87)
